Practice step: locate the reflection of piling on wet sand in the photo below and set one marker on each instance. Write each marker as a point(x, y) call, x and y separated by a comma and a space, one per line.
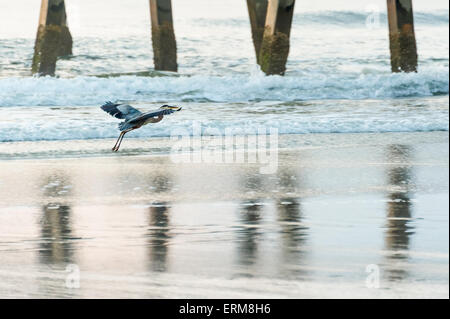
point(159, 236)
point(399, 229)
point(56, 230)
point(56, 233)
point(270, 21)
point(249, 235)
point(253, 218)
point(250, 217)
point(293, 233)
point(159, 224)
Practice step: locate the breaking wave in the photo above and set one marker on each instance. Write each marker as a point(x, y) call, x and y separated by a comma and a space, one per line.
point(89, 91)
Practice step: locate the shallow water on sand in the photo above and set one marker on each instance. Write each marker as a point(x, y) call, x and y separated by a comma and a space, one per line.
point(142, 226)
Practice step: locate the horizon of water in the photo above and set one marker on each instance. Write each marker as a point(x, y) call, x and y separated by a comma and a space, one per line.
point(338, 76)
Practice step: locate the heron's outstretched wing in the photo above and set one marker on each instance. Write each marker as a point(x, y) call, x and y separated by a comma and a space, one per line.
point(162, 111)
point(121, 111)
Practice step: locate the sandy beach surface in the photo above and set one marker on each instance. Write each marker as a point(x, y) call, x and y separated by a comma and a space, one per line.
point(343, 215)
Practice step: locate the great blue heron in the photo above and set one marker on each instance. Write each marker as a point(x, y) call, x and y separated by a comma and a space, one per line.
point(134, 118)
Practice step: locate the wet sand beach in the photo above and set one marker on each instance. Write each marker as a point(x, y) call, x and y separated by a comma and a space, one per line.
point(137, 224)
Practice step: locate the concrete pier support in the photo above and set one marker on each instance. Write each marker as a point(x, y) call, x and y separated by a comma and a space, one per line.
point(401, 36)
point(257, 10)
point(275, 45)
point(53, 38)
point(163, 36)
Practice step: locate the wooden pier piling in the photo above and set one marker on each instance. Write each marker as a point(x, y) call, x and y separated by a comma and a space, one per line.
point(257, 11)
point(163, 36)
point(270, 20)
point(275, 44)
point(53, 38)
point(401, 36)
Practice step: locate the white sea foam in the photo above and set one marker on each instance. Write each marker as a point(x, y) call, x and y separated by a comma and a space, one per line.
point(324, 116)
point(83, 91)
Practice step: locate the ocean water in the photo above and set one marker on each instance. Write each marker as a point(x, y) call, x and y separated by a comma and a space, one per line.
point(338, 75)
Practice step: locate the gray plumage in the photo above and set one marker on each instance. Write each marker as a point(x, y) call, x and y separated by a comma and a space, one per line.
point(134, 118)
point(120, 111)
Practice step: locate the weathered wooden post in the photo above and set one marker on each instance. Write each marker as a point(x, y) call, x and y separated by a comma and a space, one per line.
point(257, 10)
point(163, 36)
point(275, 44)
point(401, 36)
point(53, 38)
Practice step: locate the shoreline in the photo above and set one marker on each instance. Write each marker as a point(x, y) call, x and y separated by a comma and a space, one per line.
point(133, 146)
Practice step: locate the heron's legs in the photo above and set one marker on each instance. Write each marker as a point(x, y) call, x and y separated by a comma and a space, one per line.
point(116, 146)
point(120, 139)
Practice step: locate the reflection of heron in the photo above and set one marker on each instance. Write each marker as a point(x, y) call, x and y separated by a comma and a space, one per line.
point(134, 118)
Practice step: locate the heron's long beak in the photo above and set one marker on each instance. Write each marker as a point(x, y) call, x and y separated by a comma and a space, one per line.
point(175, 108)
